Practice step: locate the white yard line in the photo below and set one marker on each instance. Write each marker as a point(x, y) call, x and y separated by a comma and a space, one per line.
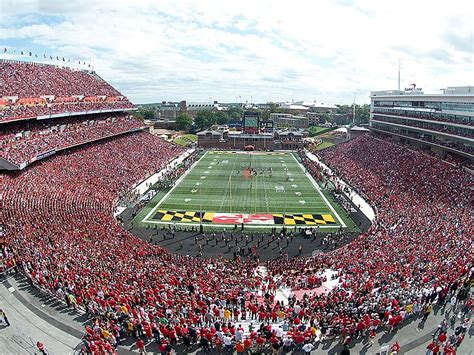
point(316, 186)
point(172, 189)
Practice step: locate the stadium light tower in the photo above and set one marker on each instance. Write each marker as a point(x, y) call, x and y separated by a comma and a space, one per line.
point(354, 109)
point(399, 67)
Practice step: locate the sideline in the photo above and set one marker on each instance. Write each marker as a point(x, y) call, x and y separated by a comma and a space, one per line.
point(316, 186)
point(357, 199)
point(145, 220)
point(143, 186)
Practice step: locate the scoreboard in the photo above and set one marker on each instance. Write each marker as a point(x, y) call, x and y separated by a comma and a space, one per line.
point(251, 124)
point(266, 126)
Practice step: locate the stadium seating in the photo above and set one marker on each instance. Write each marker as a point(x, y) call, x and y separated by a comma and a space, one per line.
point(21, 143)
point(436, 116)
point(433, 127)
point(57, 222)
point(446, 143)
point(58, 219)
point(29, 90)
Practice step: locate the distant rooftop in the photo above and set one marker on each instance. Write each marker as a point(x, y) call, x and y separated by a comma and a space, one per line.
point(315, 104)
point(413, 90)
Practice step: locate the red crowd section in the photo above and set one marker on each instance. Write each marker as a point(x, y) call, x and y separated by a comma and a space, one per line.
point(59, 229)
point(22, 142)
point(29, 90)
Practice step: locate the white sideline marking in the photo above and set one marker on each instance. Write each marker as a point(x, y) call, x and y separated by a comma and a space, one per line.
point(316, 186)
point(172, 189)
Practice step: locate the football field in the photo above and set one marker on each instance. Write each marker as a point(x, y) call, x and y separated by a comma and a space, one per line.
point(255, 188)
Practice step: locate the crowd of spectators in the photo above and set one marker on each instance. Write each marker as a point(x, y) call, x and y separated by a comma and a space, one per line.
point(21, 143)
point(26, 79)
point(60, 231)
point(29, 90)
point(428, 138)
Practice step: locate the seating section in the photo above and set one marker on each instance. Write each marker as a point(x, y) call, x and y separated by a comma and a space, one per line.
point(445, 142)
point(23, 142)
point(28, 90)
point(431, 116)
point(58, 221)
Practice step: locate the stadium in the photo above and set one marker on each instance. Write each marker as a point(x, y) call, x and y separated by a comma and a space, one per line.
point(116, 240)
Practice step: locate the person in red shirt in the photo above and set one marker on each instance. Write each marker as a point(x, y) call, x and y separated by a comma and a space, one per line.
point(360, 328)
point(141, 346)
point(442, 338)
point(372, 335)
point(434, 347)
point(260, 341)
point(218, 343)
point(239, 347)
point(395, 347)
point(449, 350)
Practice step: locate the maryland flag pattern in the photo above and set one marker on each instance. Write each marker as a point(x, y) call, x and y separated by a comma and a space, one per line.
point(238, 218)
point(183, 216)
point(303, 219)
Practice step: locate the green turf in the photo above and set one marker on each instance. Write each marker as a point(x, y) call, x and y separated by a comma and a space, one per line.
point(216, 184)
point(324, 145)
point(317, 130)
point(185, 139)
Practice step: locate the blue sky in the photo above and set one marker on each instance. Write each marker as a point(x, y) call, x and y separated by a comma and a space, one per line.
point(257, 50)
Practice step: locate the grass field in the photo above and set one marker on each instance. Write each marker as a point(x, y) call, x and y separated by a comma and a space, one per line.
point(185, 140)
point(317, 130)
point(216, 192)
point(324, 145)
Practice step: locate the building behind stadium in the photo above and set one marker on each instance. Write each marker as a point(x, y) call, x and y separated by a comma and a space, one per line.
point(442, 124)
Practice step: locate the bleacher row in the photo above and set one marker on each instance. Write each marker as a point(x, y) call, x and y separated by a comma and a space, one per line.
point(31, 90)
point(21, 143)
point(55, 108)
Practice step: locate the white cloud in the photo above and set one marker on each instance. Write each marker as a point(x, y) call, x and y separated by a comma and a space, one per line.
point(271, 50)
